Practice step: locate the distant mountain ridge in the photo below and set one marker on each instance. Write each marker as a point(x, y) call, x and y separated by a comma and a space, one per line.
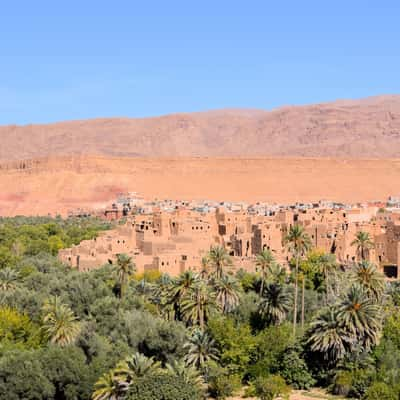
point(367, 128)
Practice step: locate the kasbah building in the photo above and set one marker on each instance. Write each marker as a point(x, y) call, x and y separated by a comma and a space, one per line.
point(174, 240)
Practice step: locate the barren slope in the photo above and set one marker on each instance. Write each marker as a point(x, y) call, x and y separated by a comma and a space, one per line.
point(59, 185)
point(362, 129)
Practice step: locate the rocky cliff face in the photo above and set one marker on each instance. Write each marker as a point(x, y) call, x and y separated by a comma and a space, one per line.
point(368, 128)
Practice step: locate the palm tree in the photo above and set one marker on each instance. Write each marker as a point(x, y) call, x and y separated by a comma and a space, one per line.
point(367, 276)
point(198, 303)
point(135, 366)
point(8, 279)
point(327, 267)
point(298, 243)
point(219, 259)
point(188, 373)
point(205, 261)
point(108, 388)
point(328, 336)
point(59, 323)
point(363, 244)
point(227, 291)
point(275, 303)
point(177, 290)
point(360, 316)
point(200, 349)
point(125, 268)
point(264, 262)
point(277, 274)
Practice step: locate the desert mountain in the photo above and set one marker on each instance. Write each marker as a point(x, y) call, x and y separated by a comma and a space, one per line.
point(368, 128)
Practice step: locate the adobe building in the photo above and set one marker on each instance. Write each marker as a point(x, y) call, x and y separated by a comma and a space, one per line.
point(176, 240)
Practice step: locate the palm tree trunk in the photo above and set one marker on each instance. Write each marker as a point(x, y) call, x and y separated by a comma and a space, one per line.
point(296, 284)
point(262, 283)
point(326, 289)
point(302, 301)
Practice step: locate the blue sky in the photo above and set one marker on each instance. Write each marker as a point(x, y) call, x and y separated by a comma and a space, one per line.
point(62, 60)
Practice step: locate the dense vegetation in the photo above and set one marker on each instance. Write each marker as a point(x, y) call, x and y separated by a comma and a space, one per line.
point(115, 334)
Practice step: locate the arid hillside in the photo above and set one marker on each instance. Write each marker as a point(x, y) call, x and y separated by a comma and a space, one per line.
point(368, 128)
point(58, 185)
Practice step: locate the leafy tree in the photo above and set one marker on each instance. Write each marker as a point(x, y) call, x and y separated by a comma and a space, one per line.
point(22, 377)
point(67, 370)
point(235, 342)
point(269, 347)
point(18, 329)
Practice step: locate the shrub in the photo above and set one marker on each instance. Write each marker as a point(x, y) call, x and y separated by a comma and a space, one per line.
point(294, 370)
point(271, 345)
point(221, 383)
point(361, 380)
point(163, 386)
point(342, 383)
point(381, 391)
point(270, 387)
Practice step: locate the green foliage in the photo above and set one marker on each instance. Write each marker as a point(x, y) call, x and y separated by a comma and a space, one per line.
point(246, 279)
point(16, 328)
point(270, 346)
point(342, 383)
point(391, 329)
point(67, 371)
point(162, 386)
point(295, 371)
point(221, 383)
point(197, 330)
point(381, 391)
point(21, 236)
point(235, 342)
point(270, 387)
point(22, 377)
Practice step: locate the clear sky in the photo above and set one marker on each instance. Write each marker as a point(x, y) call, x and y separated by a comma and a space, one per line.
point(69, 59)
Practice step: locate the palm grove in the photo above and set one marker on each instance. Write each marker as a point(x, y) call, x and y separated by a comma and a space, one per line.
point(113, 333)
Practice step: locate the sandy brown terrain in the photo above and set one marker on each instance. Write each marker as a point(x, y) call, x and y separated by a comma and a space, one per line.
point(345, 151)
point(356, 129)
point(59, 185)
